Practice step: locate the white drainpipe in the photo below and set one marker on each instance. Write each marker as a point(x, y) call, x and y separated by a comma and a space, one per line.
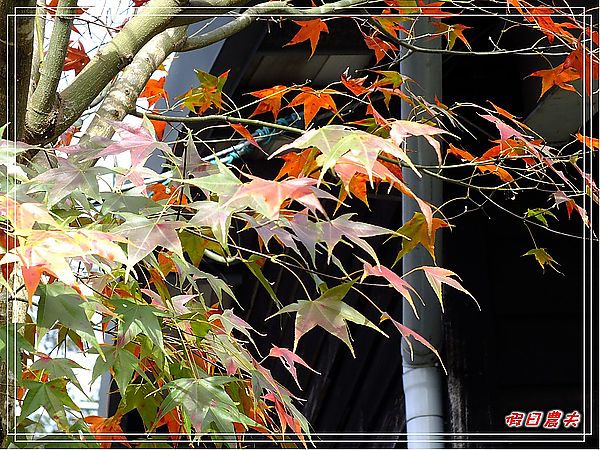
point(422, 376)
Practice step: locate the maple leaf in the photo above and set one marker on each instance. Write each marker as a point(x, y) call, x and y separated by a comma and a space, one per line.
point(49, 251)
point(452, 32)
point(64, 180)
point(288, 359)
point(297, 164)
point(208, 94)
point(58, 368)
point(357, 186)
point(223, 182)
point(159, 126)
point(492, 168)
point(309, 30)
point(408, 333)
point(401, 129)
point(172, 194)
point(328, 312)
point(506, 131)
point(206, 404)
point(313, 101)
point(540, 215)
point(560, 197)
point(332, 232)
point(76, 58)
point(558, 76)
point(101, 426)
point(592, 143)
point(137, 318)
point(389, 78)
point(137, 140)
point(267, 196)
point(59, 303)
point(144, 235)
point(415, 232)
point(543, 258)
point(154, 91)
point(243, 131)
point(396, 281)
point(354, 85)
point(379, 46)
point(270, 100)
point(337, 141)
point(24, 215)
point(214, 215)
point(52, 396)
point(438, 276)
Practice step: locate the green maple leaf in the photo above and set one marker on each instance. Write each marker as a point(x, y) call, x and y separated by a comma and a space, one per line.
point(221, 181)
point(138, 318)
point(206, 404)
point(62, 181)
point(543, 258)
point(11, 344)
point(144, 399)
point(121, 361)
point(207, 94)
point(52, 396)
point(61, 304)
point(59, 368)
point(330, 313)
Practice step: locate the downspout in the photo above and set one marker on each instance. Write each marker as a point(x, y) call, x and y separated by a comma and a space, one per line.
point(422, 376)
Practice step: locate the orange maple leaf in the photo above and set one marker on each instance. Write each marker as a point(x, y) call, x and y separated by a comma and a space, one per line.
point(309, 30)
point(101, 426)
point(354, 85)
point(483, 168)
point(154, 91)
point(159, 192)
point(313, 101)
point(270, 100)
point(379, 46)
point(298, 164)
point(592, 143)
point(243, 131)
point(558, 76)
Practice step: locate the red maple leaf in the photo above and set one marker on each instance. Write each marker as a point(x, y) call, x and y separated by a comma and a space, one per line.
point(76, 58)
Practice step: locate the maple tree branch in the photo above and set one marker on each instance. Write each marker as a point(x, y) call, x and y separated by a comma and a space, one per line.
point(16, 52)
point(255, 12)
point(155, 17)
point(122, 97)
point(44, 99)
point(231, 28)
point(219, 118)
point(38, 44)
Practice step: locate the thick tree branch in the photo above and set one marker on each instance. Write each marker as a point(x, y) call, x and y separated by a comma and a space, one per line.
point(14, 93)
point(38, 44)
point(126, 90)
point(154, 18)
point(44, 102)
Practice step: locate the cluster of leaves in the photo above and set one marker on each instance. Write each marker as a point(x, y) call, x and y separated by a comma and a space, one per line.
point(110, 257)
